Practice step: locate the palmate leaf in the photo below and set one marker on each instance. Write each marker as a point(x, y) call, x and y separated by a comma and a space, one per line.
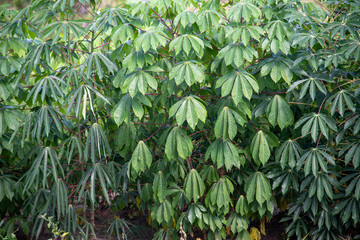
point(60, 197)
point(110, 17)
point(213, 221)
point(319, 185)
point(311, 86)
point(225, 125)
point(187, 43)
point(257, 187)
point(278, 68)
point(195, 211)
point(194, 186)
point(159, 187)
point(163, 213)
point(39, 124)
point(236, 53)
point(100, 172)
point(354, 123)
point(64, 28)
point(97, 62)
point(239, 83)
point(45, 157)
point(288, 154)
point(352, 182)
point(178, 144)
point(261, 145)
point(313, 158)
point(278, 29)
point(242, 206)
point(353, 153)
point(49, 86)
point(150, 39)
point(244, 10)
point(220, 193)
point(279, 113)
point(190, 109)
point(122, 33)
point(137, 59)
point(287, 179)
point(351, 48)
point(310, 39)
point(240, 32)
point(71, 146)
point(97, 145)
point(189, 71)
point(315, 122)
point(348, 207)
point(141, 158)
point(7, 187)
point(238, 224)
point(223, 153)
point(339, 101)
point(208, 20)
point(83, 95)
point(184, 18)
point(139, 81)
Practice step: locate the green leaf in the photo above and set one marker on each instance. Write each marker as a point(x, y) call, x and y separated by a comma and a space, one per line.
point(288, 154)
point(314, 123)
point(151, 39)
point(260, 148)
point(257, 187)
point(141, 158)
point(235, 54)
point(187, 44)
point(190, 109)
point(220, 193)
point(178, 144)
point(187, 71)
point(314, 158)
point(279, 113)
point(244, 10)
point(240, 83)
point(159, 187)
point(226, 126)
point(223, 153)
point(185, 18)
point(194, 186)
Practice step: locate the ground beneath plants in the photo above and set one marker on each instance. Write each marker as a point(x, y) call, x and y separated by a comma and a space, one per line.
point(142, 231)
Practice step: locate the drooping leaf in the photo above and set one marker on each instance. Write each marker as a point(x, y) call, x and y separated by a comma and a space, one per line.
point(257, 187)
point(141, 158)
point(279, 113)
point(194, 186)
point(240, 83)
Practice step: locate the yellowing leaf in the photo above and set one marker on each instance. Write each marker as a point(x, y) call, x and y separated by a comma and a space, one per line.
point(254, 234)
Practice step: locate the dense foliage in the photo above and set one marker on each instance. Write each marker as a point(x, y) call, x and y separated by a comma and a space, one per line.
point(201, 115)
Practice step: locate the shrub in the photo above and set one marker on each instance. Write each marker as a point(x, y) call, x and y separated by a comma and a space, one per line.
point(202, 115)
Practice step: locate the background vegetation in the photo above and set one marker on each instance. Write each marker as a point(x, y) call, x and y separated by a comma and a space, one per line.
point(201, 116)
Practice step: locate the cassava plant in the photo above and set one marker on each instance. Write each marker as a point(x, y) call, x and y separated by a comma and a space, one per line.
point(199, 115)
